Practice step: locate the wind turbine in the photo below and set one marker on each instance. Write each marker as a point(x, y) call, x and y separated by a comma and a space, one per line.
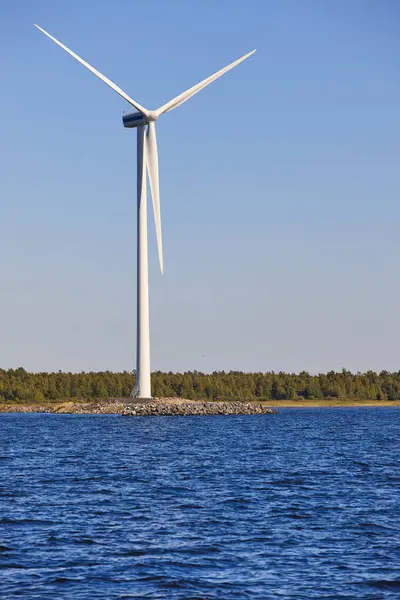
point(147, 161)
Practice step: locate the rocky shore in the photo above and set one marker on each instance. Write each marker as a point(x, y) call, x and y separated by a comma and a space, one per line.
point(153, 407)
point(190, 408)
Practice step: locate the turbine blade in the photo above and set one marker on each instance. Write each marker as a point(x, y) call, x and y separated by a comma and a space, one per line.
point(175, 102)
point(152, 169)
point(96, 72)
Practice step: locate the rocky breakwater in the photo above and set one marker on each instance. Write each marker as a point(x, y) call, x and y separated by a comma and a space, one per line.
point(178, 407)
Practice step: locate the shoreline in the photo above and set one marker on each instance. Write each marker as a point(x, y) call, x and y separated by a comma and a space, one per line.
point(179, 406)
point(332, 403)
point(143, 408)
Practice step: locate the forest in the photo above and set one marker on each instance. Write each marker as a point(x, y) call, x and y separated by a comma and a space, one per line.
point(18, 385)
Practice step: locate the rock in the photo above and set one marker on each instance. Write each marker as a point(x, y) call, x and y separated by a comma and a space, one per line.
point(154, 406)
point(172, 406)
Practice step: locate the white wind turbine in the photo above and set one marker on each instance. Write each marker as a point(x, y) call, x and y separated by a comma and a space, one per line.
point(147, 160)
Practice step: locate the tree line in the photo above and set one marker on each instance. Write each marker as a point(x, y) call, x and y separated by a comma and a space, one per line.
point(18, 385)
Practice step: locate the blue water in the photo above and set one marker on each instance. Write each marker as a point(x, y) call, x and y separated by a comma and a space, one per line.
point(302, 504)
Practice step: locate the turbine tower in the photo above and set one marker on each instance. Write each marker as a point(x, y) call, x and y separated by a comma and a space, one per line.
point(147, 162)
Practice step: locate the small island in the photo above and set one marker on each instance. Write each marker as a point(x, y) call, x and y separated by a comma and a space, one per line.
point(193, 392)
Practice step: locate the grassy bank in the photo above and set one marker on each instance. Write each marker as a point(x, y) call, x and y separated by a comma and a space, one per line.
point(329, 403)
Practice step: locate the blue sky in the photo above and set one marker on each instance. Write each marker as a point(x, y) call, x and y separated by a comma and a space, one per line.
point(279, 185)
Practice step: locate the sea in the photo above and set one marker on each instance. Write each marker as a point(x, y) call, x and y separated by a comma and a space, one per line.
point(302, 504)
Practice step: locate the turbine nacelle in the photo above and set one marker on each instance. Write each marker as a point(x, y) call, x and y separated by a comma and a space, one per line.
point(137, 119)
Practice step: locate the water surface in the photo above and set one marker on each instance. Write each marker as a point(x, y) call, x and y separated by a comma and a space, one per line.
point(303, 504)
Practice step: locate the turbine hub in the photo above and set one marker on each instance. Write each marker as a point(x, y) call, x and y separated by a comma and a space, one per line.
point(152, 116)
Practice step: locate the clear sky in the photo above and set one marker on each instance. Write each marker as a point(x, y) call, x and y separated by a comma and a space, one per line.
point(280, 185)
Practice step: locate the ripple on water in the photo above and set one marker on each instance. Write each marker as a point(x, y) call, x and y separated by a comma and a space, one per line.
point(303, 504)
